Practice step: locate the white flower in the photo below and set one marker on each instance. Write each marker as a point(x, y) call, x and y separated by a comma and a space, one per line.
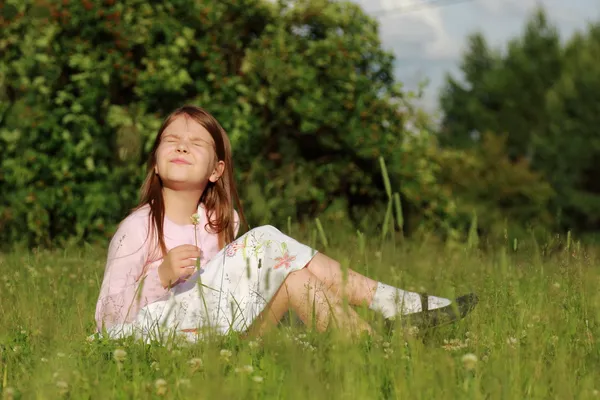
point(225, 354)
point(257, 379)
point(161, 386)
point(469, 361)
point(195, 364)
point(246, 368)
point(253, 345)
point(119, 355)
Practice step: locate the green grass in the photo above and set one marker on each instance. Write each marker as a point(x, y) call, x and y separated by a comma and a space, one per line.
point(534, 334)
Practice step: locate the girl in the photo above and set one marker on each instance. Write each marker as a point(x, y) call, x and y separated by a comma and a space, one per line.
point(186, 217)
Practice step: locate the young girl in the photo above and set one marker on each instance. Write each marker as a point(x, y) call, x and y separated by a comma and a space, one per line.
point(153, 285)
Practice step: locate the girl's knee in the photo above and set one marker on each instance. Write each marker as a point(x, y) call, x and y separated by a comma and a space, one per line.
point(266, 229)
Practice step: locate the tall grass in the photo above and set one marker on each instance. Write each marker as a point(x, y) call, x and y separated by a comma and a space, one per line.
point(532, 336)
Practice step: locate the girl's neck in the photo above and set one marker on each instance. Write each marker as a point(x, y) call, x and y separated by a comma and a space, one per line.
point(180, 205)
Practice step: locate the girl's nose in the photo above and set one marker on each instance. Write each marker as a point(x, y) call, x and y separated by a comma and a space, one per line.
point(182, 148)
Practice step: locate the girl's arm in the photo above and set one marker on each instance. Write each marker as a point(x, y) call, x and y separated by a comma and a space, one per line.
point(129, 283)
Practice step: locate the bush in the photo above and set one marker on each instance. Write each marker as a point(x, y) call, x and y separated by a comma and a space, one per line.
point(305, 92)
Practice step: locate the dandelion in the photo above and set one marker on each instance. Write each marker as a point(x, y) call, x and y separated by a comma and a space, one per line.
point(119, 355)
point(225, 354)
point(196, 221)
point(161, 386)
point(469, 361)
point(257, 379)
point(195, 364)
point(63, 387)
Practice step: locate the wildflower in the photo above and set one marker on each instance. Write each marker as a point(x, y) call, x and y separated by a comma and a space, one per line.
point(469, 361)
point(60, 355)
point(413, 331)
point(225, 354)
point(195, 219)
point(119, 355)
point(161, 386)
point(257, 379)
point(195, 364)
point(62, 386)
point(253, 344)
point(246, 368)
point(155, 366)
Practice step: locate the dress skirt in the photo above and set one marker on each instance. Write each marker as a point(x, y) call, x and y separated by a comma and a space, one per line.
point(227, 293)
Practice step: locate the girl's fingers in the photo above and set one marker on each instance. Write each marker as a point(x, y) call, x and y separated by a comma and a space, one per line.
point(184, 248)
point(188, 262)
point(189, 254)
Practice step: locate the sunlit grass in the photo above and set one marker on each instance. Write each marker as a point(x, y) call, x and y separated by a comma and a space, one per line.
point(533, 335)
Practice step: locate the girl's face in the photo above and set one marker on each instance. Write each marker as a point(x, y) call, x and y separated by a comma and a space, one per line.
point(186, 157)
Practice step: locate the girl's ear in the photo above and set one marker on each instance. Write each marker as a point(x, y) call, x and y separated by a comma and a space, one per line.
point(218, 171)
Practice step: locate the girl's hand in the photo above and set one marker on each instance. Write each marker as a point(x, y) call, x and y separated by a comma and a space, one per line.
point(178, 264)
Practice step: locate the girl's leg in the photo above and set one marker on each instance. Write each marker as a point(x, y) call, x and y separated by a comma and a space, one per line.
point(361, 290)
point(303, 292)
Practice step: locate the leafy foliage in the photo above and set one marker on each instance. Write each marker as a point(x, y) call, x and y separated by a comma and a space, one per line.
point(304, 90)
point(543, 96)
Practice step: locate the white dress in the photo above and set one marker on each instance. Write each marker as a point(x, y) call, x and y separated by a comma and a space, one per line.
point(228, 292)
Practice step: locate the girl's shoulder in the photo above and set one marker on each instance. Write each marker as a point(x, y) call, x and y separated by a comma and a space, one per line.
point(136, 222)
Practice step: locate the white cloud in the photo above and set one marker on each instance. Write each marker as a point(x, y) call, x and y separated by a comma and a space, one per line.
point(405, 24)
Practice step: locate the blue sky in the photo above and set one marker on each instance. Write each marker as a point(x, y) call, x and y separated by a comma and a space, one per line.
point(429, 42)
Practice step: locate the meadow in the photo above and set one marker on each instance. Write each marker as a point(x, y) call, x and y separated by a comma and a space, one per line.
point(533, 334)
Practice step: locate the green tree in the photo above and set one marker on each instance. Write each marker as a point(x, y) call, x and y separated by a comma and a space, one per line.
point(504, 93)
point(570, 151)
point(304, 89)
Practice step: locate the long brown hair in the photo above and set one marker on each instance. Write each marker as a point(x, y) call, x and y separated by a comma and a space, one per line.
point(218, 197)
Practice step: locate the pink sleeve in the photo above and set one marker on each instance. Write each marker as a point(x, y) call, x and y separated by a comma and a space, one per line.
point(129, 283)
